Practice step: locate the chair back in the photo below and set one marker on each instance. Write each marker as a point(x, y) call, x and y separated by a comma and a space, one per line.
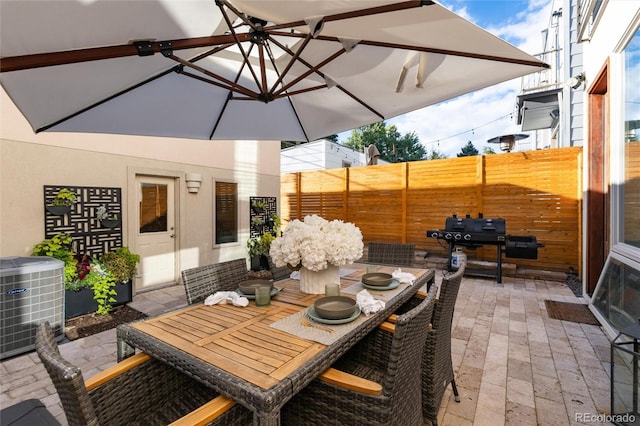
point(437, 368)
point(443, 311)
point(66, 378)
point(203, 281)
point(278, 273)
point(391, 253)
point(401, 382)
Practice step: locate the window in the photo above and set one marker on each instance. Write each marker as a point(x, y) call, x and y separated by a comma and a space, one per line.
point(631, 189)
point(618, 291)
point(153, 208)
point(226, 212)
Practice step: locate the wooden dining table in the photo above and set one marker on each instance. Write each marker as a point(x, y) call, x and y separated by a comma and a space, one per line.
point(235, 351)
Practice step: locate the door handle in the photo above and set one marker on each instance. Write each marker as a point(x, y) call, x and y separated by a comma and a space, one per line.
point(172, 235)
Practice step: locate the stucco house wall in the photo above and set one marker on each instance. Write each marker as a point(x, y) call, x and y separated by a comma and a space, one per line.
point(29, 161)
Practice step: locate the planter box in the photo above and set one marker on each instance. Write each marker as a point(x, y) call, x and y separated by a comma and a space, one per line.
point(124, 293)
point(107, 223)
point(81, 302)
point(78, 303)
point(58, 210)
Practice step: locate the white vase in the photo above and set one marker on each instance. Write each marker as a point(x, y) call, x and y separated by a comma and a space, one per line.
point(313, 282)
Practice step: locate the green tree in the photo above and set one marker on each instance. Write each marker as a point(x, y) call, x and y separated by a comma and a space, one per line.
point(393, 146)
point(488, 150)
point(434, 154)
point(468, 150)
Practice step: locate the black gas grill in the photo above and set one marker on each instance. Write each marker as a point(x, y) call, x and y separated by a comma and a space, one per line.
point(475, 232)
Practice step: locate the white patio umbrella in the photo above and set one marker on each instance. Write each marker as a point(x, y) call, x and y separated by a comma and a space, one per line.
point(241, 69)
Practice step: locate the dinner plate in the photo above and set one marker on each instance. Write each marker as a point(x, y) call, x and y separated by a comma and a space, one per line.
point(394, 284)
point(378, 279)
point(274, 291)
point(314, 316)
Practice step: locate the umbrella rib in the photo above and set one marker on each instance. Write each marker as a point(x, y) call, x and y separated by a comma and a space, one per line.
point(38, 60)
point(310, 71)
point(321, 74)
point(238, 43)
point(107, 99)
point(358, 13)
point(263, 70)
point(211, 52)
point(229, 84)
point(291, 62)
point(297, 92)
point(228, 99)
point(295, 111)
point(424, 49)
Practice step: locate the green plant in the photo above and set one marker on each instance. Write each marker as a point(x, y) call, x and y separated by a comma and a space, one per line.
point(260, 245)
point(60, 247)
point(103, 214)
point(65, 197)
point(121, 263)
point(258, 206)
point(93, 275)
point(102, 282)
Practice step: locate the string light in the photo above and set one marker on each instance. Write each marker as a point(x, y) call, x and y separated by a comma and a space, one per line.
point(472, 130)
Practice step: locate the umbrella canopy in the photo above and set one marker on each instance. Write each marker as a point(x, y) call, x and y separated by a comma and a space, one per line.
point(241, 69)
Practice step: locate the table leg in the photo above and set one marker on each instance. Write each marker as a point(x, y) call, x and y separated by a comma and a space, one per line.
point(269, 419)
point(124, 350)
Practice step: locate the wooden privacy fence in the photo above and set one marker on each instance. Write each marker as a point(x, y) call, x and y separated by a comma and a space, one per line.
point(537, 192)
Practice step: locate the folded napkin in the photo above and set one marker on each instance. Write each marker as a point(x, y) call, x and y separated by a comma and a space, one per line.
point(403, 277)
point(367, 303)
point(295, 275)
point(222, 297)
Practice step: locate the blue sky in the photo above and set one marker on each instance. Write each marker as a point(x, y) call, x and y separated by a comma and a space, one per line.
point(489, 112)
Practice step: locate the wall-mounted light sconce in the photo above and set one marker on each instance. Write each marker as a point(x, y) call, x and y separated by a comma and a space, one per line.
point(554, 114)
point(576, 81)
point(193, 182)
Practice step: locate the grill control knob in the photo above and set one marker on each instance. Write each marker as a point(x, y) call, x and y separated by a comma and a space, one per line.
point(434, 234)
point(447, 236)
point(457, 236)
point(467, 237)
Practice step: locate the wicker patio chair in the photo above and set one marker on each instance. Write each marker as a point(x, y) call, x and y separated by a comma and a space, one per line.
point(437, 369)
point(140, 390)
point(280, 272)
point(374, 383)
point(391, 253)
point(203, 281)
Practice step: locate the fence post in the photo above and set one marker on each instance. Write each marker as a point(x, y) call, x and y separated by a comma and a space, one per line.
point(298, 195)
point(405, 184)
point(345, 194)
point(481, 181)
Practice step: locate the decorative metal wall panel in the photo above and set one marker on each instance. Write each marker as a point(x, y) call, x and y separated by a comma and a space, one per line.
point(261, 218)
point(90, 235)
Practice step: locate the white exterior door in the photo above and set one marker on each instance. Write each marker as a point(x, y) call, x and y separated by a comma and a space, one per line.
point(156, 238)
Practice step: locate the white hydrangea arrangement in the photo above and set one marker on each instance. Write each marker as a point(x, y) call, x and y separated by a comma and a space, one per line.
point(316, 242)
